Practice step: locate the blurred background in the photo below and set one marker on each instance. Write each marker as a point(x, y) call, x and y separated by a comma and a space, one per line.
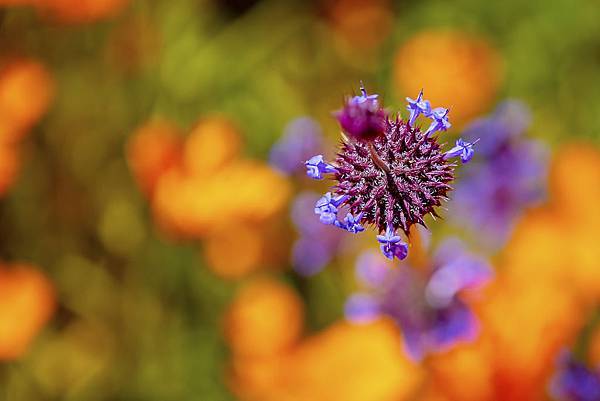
point(154, 242)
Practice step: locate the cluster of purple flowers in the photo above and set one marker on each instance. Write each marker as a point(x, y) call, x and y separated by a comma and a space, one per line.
point(389, 173)
point(425, 304)
point(574, 381)
point(508, 177)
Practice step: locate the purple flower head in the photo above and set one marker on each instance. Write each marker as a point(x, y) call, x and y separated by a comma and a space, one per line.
point(301, 139)
point(362, 117)
point(427, 306)
point(462, 149)
point(574, 381)
point(316, 167)
point(391, 181)
point(510, 176)
point(392, 245)
point(418, 106)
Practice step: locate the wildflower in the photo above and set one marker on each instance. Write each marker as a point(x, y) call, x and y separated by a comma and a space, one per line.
point(390, 180)
point(427, 308)
point(350, 224)
point(509, 177)
point(301, 139)
point(326, 208)
point(418, 106)
point(391, 244)
point(574, 381)
point(362, 117)
point(462, 149)
point(316, 167)
point(440, 122)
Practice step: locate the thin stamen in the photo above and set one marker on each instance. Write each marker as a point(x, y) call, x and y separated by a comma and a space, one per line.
point(377, 160)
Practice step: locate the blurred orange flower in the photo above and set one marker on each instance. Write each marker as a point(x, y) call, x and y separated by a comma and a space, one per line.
point(200, 188)
point(353, 362)
point(249, 246)
point(528, 323)
point(27, 301)
point(73, 11)
point(343, 362)
point(26, 89)
point(457, 71)
point(575, 184)
point(153, 149)
point(195, 206)
point(15, 2)
point(266, 318)
point(213, 143)
point(81, 11)
point(363, 24)
point(472, 361)
point(558, 242)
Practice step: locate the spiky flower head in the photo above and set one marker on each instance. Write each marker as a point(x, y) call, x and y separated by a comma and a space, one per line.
point(389, 180)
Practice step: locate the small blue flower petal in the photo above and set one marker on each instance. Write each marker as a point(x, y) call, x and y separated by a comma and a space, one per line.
point(462, 149)
point(326, 209)
point(351, 223)
point(418, 106)
point(391, 244)
point(316, 167)
point(440, 122)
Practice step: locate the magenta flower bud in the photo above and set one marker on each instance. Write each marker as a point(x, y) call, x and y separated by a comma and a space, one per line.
point(362, 118)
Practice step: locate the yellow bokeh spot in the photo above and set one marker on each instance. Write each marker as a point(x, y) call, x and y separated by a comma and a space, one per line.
point(27, 301)
point(154, 148)
point(26, 89)
point(248, 243)
point(265, 319)
point(213, 143)
point(455, 70)
point(575, 183)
